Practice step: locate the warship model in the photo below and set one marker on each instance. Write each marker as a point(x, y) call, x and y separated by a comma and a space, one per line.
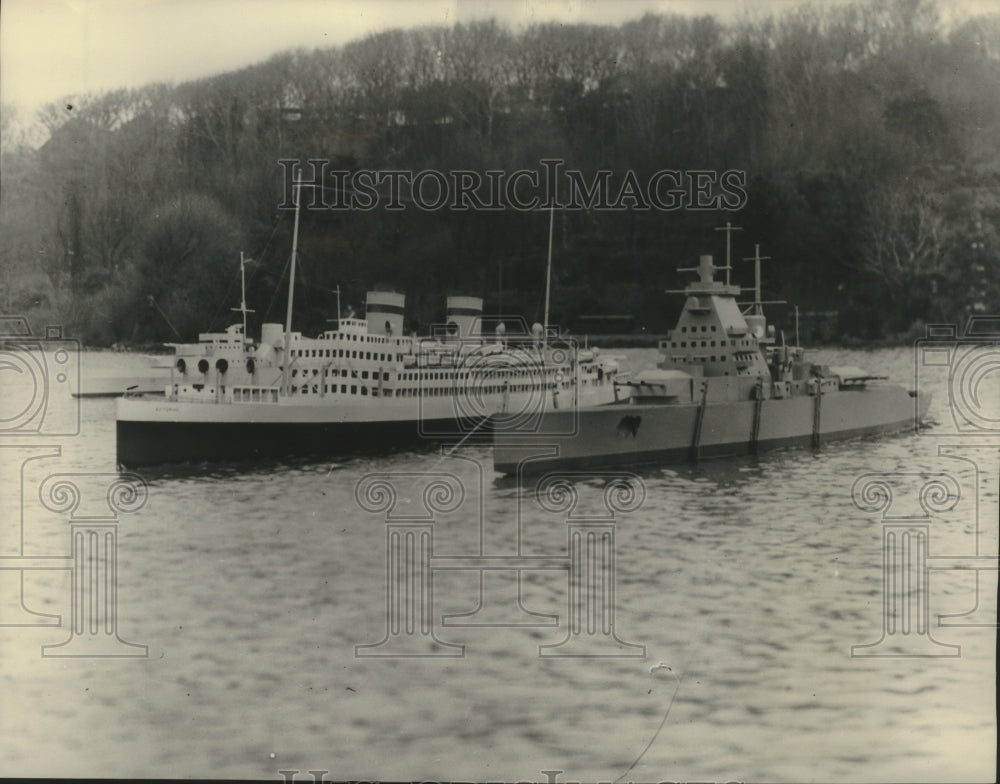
point(724, 386)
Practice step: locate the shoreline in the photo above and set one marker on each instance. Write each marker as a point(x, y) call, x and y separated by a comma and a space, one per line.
point(620, 340)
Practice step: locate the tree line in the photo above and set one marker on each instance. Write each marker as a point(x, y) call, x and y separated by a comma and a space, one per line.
point(868, 135)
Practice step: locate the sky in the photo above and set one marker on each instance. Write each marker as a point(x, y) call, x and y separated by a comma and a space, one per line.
point(50, 49)
point(53, 48)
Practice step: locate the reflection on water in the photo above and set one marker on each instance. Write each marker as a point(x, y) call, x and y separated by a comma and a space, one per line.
point(749, 579)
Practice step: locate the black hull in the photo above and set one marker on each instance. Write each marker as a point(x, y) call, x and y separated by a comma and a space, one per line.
point(141, 444)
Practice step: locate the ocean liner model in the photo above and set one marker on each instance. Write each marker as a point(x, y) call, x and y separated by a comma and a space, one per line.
point(358, 387)
point(724, 386)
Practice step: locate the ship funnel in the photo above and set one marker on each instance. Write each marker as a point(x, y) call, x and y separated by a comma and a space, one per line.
point(272, 335)
point(384, 312)
point(705, 268)
point(464, 317)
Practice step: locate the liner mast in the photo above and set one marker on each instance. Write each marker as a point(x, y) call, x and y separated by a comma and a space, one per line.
point(243, 295)
point(548, 278)
point(291, 288)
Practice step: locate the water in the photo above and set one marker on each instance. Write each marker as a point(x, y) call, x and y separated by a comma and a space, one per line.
point(750, 580)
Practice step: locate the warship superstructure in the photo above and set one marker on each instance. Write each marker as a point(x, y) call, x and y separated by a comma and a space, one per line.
point(725, 385)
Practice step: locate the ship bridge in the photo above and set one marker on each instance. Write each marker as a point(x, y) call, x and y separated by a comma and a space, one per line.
point(711, 337)
point(347, 326)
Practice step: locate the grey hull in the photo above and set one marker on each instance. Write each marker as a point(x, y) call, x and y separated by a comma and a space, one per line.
point(618, 435)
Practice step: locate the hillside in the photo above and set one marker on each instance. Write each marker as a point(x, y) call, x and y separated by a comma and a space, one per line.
point(865, 140)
